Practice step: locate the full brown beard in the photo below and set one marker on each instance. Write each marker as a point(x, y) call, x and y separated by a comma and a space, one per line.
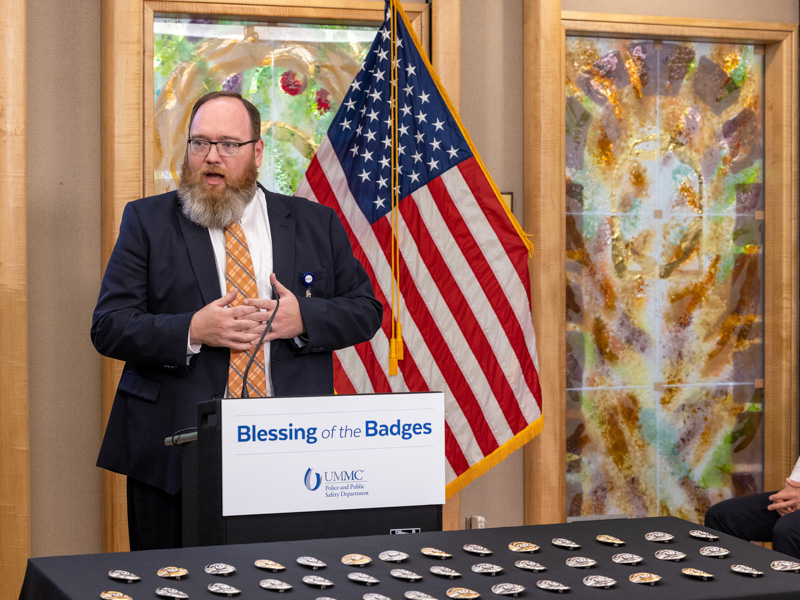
point(215, 206)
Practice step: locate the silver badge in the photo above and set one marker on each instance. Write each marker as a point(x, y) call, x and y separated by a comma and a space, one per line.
point(659, 536)
point(626, 559)
point(461, 592)
point(168, 592)
point(392, 556)
point(311, 562)
point(476, 549)
point(610, 539)
point(219, 569)
point(445, 572)
point(269, 565)
point(173, 572)
point(745, 570)
point(697, 573)
point(223, 589)
point(317, 581)
point(356, 560)
point(125, 576)
point(703, 535)
point(670, 555)
point(580, 562)
point(417, 595)
point(112, 595)
point(714, 551)
point(276, 585)
point(508, 589)
point(436, 553)
point(565, 543)
point(405, 575)
point(599, 581)
point(529, 565)
point(644, 578)
point(522, 547)
point(785, 565)
point(487, 569)
point(551, 586)
point(364, 578)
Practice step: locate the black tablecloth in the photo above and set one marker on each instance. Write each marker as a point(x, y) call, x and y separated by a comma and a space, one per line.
point(73, 577)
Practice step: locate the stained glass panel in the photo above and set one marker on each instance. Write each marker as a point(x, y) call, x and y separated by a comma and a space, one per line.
point(665, 271)
point(296, 74)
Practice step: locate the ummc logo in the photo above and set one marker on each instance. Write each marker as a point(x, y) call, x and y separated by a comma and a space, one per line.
point(344, 476)
point(312, 480)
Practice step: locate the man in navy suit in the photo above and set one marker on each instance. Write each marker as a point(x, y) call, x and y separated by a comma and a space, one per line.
point(164, 310)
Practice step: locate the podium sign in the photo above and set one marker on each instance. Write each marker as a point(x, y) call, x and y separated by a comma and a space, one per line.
point(302, 454)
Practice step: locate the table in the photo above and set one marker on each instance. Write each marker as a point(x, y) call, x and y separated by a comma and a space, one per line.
point(84, 577)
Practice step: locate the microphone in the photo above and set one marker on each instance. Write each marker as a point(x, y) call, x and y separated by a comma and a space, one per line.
point(245, 392)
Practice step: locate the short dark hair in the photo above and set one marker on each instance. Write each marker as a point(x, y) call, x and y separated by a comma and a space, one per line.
point(252, 111)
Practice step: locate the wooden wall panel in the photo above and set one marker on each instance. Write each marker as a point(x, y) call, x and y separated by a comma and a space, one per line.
point(14, 439)
point(543, 213)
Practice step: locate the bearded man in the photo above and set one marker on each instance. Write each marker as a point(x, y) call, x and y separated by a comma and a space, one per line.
point(186, 294)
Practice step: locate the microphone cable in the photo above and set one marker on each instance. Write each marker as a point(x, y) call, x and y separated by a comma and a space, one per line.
point(245, 393)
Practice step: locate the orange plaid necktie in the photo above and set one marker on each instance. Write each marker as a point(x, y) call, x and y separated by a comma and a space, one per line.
point(239, 274)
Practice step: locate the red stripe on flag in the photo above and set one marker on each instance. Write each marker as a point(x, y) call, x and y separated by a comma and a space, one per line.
point(493, 289)
point(453, 452)
point(439, 348)
point(496, 216)
point(454, 298)
point(342, 383)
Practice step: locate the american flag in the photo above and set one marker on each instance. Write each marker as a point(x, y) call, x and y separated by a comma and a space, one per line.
point(463, 298)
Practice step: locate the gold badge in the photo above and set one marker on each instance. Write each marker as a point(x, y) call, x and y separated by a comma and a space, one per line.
point(460, 592)
point(643, 578)
point(436, 553)
point(522, 547)
point(269, 565)
point(696, 573)
point(356, 560)
point(610, 539)
point(173, 572)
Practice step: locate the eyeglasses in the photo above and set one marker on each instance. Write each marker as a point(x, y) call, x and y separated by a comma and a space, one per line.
point(203, 147)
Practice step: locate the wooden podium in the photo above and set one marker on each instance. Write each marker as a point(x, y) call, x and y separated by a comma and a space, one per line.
point(204, 524)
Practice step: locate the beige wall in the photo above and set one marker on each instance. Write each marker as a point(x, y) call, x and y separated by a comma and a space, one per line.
point(491, 110)
point(64, 229)
point(63, 273)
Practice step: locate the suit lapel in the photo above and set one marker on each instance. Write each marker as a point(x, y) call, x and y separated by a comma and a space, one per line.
point(282, 230)
point(201, 255)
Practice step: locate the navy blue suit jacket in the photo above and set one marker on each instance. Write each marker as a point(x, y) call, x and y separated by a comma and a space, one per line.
point(162, 271)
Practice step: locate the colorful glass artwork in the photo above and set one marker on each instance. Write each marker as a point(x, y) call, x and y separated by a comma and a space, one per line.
point(296, 74)
point(665, 275)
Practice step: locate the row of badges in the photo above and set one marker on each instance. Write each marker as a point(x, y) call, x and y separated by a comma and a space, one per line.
point(395, 556)
point(361, 560)
point(505, 589)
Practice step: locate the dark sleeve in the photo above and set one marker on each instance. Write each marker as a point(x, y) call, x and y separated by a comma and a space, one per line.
point(352, 314)
point(130, 323)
